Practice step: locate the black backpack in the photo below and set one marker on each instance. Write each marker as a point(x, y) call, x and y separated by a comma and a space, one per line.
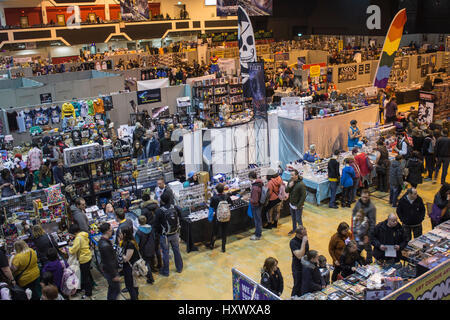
point(172, 222)
point(16, 292)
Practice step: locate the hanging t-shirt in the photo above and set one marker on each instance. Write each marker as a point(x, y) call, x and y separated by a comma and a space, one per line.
point(12, 121)
point(54, 113)
point(98, 66)
point(40, 117)
point(104, 65)
point(109, 64)
point(21, 122)
point(29, 115)
point(77, 107)
point(84, 109)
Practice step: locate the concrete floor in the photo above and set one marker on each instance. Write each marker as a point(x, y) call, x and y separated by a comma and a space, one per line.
point(207, 274)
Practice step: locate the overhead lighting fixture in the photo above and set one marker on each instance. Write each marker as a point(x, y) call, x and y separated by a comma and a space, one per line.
point(299, 34)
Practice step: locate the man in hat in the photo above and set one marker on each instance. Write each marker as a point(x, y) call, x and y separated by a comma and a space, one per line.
point(311, 155)
point(353, 135)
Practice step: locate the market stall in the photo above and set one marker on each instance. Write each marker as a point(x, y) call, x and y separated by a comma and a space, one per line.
point(420, 277)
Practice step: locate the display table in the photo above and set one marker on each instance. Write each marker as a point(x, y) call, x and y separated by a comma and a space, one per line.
point(201, 230)
point(407, 96)
point(322, 189)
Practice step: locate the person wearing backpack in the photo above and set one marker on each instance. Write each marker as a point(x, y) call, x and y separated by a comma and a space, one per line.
point(220, 211)
point(403, 147)
point(167, 224)
point(25, 268)
point(131, 255)
point(255, 197)
point(109, 262)
point(56, 267)
point(428, 152)
point(297, 195)
point(145, 239)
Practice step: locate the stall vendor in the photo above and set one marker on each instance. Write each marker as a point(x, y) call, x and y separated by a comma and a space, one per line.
point(311, 155)
point(192, 179)
point(353, 135)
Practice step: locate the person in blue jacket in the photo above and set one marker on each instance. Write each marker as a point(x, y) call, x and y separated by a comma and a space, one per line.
point(353, 135)
point(348, 174)
point(311, 155)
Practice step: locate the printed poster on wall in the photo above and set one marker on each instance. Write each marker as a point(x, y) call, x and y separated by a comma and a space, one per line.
point(426, 106)
point(419, 61)
point(46, 97)
point(347, 73)
point(257, 88)
point(149, 96)
point(361, 69)
point(134, 10)
point(245, 288)
point(367, 68)
point(300, 62)
point(423, 70)
point(253, 7)
point(314, 71)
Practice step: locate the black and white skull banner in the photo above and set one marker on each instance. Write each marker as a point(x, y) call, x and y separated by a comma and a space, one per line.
point(247, 48)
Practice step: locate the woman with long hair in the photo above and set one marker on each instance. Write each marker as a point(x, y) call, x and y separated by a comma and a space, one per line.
point(273, 208)
point(271, 277)
point(43, 177)
point(24, 266)
point(350, 259)
point(42, 241)
point(130, 256)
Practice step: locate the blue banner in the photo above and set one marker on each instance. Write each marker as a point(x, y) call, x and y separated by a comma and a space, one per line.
point(245, 288)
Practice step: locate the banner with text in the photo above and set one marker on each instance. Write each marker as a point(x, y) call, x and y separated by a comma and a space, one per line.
point(245, 288)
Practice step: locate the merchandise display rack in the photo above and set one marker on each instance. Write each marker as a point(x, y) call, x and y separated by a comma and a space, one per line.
point(193, 203)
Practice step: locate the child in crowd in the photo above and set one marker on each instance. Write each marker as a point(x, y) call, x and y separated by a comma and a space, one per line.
point(348, 175)
point(324, 269)
point(361, 233)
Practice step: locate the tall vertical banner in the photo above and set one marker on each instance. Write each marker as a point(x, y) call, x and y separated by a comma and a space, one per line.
point(391, 44)
point(426, 106)
point(134, 10)
point(258, 89)
point(247, 48)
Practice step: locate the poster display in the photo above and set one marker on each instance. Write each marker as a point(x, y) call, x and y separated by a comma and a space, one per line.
point(367, 68)
point(314, 71)
point(149, 96)
point(258, 89)
point(419, 61)
point(245, 288)
point(46, 97)
point(134, 10)
point(424, 70)
point(347, 73)
point(426, 106)
point(361, 69)
point(300, 62)
point(253, 7)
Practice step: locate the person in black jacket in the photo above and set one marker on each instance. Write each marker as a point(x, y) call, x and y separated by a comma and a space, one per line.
point(167, 224)
point(23, 181)
point(109, 262)
point(382, 167)
point(42, 241)
point(442, 155)
point(388, 232)
point(411, 212)
point(145, 239)
point(350, 258)
point(271, 277)
point(334, 178)
point(311, 277)
point(415, 169)
point(166, 144)
point(216, 224)
point(428, 153)
point(148, 209)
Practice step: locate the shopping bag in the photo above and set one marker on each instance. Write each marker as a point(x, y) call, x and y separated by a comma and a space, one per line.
point(249, 211)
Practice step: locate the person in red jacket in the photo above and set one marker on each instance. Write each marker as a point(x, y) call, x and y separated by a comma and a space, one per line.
point(255, 196)
point(272, 209)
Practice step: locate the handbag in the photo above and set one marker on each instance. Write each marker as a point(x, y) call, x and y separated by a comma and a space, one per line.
point(119, 253)
point(17, 277)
